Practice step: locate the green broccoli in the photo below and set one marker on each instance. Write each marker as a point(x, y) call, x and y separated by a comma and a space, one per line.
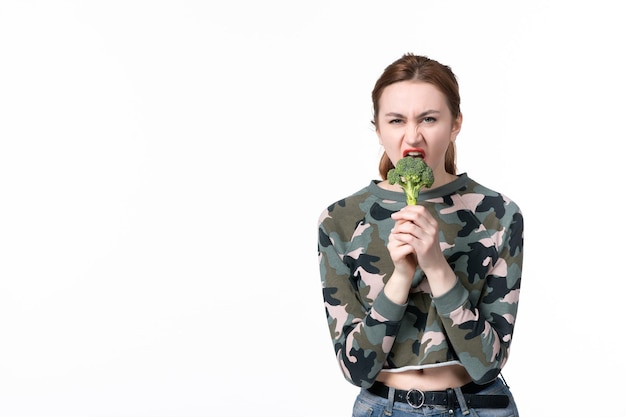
point(411, 174)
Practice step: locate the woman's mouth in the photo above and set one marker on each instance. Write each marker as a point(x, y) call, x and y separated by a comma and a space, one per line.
point(415, 153)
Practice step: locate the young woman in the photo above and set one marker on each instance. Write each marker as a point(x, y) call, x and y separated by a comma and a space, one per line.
point(421, 300)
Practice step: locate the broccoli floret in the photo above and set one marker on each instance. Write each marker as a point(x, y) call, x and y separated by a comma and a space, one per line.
point(411, 174)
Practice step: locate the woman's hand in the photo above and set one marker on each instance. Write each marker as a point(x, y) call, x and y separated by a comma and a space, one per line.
point(415, 233)
point(414, 240)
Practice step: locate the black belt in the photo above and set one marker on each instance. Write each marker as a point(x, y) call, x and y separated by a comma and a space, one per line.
point(416, 398)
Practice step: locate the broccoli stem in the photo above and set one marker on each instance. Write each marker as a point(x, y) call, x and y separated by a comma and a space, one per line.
point(411, 194)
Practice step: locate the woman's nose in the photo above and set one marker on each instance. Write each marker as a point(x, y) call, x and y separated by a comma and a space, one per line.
point(413, 133)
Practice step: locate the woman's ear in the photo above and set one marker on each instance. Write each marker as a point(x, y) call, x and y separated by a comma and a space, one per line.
point(456, 127)
point(377, 130)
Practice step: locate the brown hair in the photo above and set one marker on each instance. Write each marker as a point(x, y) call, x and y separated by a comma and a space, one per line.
point(419, 68)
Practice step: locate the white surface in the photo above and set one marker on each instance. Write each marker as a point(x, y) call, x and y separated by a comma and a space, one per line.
point(163, 165)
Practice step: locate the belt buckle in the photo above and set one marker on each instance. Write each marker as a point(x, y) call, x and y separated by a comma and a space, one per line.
point(417, 404)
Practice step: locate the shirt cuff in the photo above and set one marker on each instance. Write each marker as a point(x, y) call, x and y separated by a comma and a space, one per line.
point(387, 308)
point(451, 300)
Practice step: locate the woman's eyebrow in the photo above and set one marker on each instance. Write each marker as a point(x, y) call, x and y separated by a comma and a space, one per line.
point(427, 112)
point(392, 114)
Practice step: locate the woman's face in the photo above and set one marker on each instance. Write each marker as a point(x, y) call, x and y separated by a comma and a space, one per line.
point(413, 116)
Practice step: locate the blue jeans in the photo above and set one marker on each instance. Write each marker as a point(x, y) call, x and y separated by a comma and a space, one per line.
point(370, 405)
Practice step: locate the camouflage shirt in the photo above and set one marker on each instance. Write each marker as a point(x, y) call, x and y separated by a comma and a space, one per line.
point(481, 236)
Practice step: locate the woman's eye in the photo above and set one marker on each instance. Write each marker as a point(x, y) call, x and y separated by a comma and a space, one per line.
point(395, 121)
point(429, 119)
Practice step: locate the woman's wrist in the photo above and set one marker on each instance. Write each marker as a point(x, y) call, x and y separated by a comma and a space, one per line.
point(397, 288)
point(441, 280)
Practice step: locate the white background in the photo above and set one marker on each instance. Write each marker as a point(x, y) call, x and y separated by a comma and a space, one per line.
point(163, 165)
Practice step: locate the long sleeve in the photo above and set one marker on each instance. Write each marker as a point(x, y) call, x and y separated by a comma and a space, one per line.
point(481, 329)
point(363, 330)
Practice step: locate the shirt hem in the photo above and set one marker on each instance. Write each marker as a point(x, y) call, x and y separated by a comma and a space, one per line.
point(418, 367)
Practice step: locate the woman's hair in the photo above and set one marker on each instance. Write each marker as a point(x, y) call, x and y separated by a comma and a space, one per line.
point(419, 68)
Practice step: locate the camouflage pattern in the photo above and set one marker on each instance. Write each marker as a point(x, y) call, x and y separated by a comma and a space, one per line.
point(481, 235)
